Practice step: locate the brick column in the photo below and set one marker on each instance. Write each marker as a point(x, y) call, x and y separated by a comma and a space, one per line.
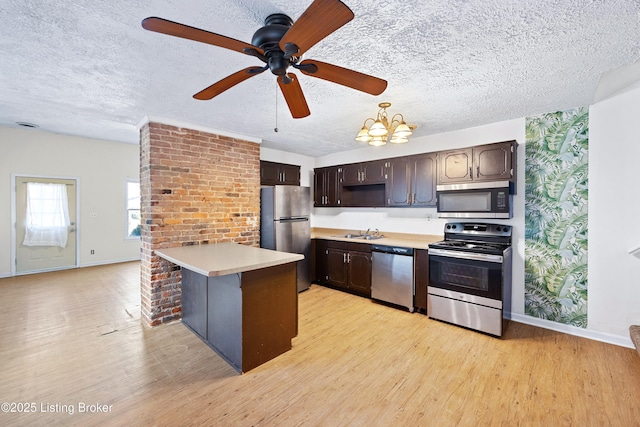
point(196, 188)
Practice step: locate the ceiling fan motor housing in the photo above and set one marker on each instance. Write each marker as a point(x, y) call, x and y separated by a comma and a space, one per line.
point(268, 37)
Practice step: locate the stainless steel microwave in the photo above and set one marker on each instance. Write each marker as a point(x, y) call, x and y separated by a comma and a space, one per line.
point(475, 200)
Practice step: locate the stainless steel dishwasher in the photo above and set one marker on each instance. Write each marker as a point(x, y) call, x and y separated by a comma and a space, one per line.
point(392, 275)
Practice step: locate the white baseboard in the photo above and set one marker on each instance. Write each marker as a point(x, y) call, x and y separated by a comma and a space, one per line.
point(110, 261)
point(573, 330)
point(91, 264)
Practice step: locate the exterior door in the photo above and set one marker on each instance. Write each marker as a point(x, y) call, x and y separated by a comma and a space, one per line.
point(32, 259)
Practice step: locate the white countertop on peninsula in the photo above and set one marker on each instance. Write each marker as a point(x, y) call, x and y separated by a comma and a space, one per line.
point(219, 259)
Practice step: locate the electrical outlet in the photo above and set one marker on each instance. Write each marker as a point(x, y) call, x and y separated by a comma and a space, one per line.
point(93, 252)
point(429, 216)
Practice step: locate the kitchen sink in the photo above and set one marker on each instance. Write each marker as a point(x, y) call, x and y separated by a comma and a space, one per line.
point(361, 236)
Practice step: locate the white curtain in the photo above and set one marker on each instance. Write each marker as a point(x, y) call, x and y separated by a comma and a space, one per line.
point(47, 215)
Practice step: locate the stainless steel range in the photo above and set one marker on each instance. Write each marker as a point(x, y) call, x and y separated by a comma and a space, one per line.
point(470, 276)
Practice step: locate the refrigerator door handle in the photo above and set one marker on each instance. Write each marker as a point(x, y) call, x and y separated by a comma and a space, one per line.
point(293, 219)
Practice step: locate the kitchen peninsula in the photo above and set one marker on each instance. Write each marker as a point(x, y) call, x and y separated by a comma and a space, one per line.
point(240, 300)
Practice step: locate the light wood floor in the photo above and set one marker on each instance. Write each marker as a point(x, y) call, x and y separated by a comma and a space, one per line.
point(75, 337)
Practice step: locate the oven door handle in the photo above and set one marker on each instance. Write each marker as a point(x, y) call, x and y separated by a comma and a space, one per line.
point(466, 255)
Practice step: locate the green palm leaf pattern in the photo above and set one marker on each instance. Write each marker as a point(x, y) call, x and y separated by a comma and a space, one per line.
point(556, 227)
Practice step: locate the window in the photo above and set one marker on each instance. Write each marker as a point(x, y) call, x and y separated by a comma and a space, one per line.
point(47, 215)
point(133, 209)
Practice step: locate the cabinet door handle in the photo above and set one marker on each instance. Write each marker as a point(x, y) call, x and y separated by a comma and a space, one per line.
point(470, 172)
point(344, 258)
point(348, 258)
point(284, 176)
point(478, 172)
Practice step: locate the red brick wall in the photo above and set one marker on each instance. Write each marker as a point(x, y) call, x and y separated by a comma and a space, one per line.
point(196, 188)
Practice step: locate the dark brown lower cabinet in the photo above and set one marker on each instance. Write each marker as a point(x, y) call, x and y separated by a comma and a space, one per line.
point(248, 318)
point(344, 265)
point(421, 266)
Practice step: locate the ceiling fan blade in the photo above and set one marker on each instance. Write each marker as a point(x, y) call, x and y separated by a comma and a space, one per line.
point(227, 83)
point(343, 76)
point(171, 28)
point(320, 19)
point(295, 98)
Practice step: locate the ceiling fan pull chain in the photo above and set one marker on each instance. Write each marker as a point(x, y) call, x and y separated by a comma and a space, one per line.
point(276, 128)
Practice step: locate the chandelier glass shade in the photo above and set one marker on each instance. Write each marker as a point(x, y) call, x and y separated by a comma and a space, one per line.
point(383, 130)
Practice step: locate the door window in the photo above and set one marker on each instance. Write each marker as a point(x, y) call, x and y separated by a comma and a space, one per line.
point(47, 215)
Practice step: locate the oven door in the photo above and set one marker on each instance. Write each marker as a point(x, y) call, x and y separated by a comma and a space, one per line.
point(466, 272)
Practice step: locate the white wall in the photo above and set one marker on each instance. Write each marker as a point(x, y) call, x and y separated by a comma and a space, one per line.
point(614, 213)
point(101, 167)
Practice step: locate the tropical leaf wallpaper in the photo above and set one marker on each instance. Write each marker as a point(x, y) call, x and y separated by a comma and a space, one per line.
point(556, 195)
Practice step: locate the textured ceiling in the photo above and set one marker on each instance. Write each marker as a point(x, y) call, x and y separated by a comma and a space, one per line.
point(88, 68)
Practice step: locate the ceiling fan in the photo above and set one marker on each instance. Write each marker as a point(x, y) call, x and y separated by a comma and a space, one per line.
point(280, 44)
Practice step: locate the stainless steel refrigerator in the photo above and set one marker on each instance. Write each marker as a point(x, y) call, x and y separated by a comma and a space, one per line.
point(284, 225)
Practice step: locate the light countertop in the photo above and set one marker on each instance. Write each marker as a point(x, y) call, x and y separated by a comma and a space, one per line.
point(219, 259)
point(416, 241)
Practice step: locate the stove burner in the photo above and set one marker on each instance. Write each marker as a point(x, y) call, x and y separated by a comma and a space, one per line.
point(474, 237)
point(494, 248)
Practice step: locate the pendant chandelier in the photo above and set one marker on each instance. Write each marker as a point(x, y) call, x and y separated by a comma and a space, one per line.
point(382, 130)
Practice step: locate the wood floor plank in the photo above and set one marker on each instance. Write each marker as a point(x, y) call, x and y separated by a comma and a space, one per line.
point(75, 337)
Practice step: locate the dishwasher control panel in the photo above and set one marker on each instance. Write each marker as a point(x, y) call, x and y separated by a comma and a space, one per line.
point(392, 250)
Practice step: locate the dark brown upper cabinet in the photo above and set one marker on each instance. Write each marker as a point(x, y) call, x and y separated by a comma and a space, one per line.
point(364, 173)
point(272, 173)
point(490, 162)
point(326, 187)
point(411, 181)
